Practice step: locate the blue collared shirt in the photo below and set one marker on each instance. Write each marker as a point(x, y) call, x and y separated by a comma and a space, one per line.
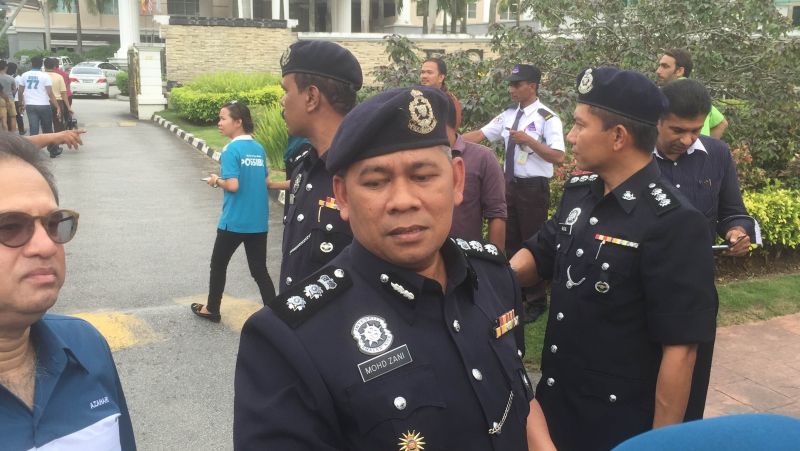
point(78, 402)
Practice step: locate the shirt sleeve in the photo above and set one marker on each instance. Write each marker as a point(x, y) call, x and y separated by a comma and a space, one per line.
point(678, 279)
point(229, 162)
point(554, 133)
point(494, 130)
point(731, 211)
point(46, 80)
point(280, 400)
point(715, 117)
point(493, 188)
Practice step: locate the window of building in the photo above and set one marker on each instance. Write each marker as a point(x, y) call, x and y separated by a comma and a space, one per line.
point(110, 7)
point(422, 8)
point(183, 7)
point(389, 8)
point(796, 16)
point(65, 6)
point(509, 13)
point(472, 10)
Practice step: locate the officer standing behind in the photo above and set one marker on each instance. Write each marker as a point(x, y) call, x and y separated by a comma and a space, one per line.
point(386, 347)
point(703, 170)
point(632, 275)
point(320, 80)
point(534, 141)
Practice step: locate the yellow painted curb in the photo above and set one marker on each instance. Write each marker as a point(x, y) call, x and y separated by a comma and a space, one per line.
point(234, 311)
point(121, 330)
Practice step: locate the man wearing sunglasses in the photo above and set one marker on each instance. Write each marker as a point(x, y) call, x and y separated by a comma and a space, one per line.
point(59, 386)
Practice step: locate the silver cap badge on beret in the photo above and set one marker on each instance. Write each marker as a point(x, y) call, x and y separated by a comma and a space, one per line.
point(286, 56)
point(422, 120)
point(587, 82)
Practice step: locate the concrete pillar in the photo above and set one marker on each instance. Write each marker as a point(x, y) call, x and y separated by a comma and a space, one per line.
point(286, 10)
point(276, 10)
point(128, 27)
point(405, 13)
point(245, 9)
point(365, 16)
point(342, 20)
point(151, 98)
point(312, 15)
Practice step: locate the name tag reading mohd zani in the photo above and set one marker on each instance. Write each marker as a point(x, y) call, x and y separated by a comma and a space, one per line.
point(384, 363)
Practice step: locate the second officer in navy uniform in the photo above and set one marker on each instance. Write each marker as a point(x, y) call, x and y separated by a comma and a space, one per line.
point(320, 81)
point(406, 340)
point(632, 275)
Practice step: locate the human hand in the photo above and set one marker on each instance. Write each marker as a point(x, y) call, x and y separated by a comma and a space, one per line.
point(72, 138)
point(212, 180)
point(520, 137)
point(739, 242)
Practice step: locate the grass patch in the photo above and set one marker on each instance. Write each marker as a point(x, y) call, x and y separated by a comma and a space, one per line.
point(207, 133)
point(740, 302)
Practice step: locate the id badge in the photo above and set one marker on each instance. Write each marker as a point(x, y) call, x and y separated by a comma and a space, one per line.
point(522, 157)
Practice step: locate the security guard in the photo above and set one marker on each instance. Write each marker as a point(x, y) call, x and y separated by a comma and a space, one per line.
point(320, 80)
point(534, 141)
point(632, 275)
point(405, 341)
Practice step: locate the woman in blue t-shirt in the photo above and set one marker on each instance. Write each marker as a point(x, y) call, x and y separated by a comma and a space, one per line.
point(245, 209)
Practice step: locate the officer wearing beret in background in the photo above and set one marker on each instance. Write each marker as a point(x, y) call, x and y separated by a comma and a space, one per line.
point(405, 341)
point(320, 81)
point(534, 141)
point(632, 275)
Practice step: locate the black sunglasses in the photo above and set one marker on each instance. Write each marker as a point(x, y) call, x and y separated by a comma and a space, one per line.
point(16, 228)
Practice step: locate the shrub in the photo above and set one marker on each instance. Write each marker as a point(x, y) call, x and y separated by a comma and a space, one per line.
point(102, 53)
point(778, 213)
point(271, 132)
point(203, 107)
point(122, 83)
point(216, 82)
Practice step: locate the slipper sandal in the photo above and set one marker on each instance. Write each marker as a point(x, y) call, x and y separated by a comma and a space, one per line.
point(213, 317)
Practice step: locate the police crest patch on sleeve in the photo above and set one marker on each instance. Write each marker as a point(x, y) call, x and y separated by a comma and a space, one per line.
point(296, 305)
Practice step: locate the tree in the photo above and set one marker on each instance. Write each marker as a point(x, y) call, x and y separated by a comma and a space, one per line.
point(95, 7)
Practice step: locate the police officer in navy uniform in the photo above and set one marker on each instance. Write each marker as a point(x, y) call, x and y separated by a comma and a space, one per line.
point(534, 141)
point(405, 341)
point(320, 81)
point(703, 170)
point(632, 275)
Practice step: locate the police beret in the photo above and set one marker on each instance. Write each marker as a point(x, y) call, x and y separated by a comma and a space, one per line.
point(323, 58)
point(624, 92)
point(394, 120)
point(525, 72)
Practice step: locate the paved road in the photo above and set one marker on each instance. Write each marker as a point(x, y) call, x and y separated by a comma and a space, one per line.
point(140, 257)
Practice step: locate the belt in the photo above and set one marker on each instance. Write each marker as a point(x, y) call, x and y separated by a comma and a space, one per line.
point(529, 180)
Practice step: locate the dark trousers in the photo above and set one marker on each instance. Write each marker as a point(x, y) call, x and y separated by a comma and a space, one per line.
point(527, 200)
point(58, 121)
point(700, 379)
point(255, 247)
point(41, 116)
point(20, 119)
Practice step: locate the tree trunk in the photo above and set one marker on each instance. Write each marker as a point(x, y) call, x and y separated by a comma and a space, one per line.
point(78, 30)
point(381, 12)
point(492, 12)
point(519, 11)
point(425, 23)
point(432, 16)
point(46, 13)
point(454, 16)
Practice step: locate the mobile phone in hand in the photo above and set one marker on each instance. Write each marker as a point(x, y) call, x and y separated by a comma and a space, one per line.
point(206, 179)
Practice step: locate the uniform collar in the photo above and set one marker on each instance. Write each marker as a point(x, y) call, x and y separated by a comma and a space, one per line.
point(628, 193)
point(405, 286)
point(52, 352)
point(530, 109)
point(696, 145)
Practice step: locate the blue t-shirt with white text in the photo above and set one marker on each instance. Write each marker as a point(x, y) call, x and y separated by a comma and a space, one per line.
point(246, 210)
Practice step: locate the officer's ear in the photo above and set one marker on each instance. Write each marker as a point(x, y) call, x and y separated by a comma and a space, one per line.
point(313, 98)
point(620, 138)
point(458, 180)
point(340, 194)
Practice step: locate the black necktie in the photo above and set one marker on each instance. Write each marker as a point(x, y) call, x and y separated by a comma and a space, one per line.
point(510, 146)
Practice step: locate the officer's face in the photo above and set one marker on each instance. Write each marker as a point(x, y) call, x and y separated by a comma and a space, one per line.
point(294, 105)
point(31, 275)
point(592, 146)
point(522, 91)
point(667, 70)
point(677, 134)
point(429, 75)
point(400, 205)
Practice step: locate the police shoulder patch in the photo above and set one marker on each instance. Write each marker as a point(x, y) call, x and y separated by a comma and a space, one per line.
point(580, 180)
point(300, 302)
point(545, 113)
point(660, 197)
point(481, 249)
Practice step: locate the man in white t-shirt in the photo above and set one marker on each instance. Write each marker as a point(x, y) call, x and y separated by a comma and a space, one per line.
point(36, 97)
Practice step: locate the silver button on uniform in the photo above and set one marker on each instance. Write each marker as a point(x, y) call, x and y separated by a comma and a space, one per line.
point(288, 281)
point(519, 353)
point(678, 185)
point(300, 217)
point(400, 403)
point(559, 316)
point(579, 252)
point(550, 381)
point(477, 374)
point(592, 220)
point(309, 187)
point(605, 266)
point(329, 227)
point(612, 398)
point(384, 278)
point(554, 349)
point(456, 325)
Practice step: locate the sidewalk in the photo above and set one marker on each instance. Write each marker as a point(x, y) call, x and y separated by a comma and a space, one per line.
point(756, 369)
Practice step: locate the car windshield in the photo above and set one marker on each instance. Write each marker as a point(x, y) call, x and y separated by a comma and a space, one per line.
point(86, 71)
point(85, 64)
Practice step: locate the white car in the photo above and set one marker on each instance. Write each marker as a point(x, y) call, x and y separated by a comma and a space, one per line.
point(108, 69)
point(88, 80)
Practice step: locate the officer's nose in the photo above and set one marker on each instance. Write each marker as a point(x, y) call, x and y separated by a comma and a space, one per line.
point(402, 196)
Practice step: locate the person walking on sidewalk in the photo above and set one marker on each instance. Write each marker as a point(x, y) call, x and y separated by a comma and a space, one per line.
point(11, 71)
point(10, 92)
point(36, 97)
point(60, 91)
point(245, 211)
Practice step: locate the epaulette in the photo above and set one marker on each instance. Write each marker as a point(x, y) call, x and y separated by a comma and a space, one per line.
point(580, 180)
point(300, 302)
point(293, 161)
point(482, 250)
point(660, 198)
point(546, 114)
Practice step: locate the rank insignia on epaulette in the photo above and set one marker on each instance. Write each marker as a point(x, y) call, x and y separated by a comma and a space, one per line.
point(486, 251)
point(299, 303)
point(546, 114)
point(505, 323)
point(660, 198)
point(580, 180)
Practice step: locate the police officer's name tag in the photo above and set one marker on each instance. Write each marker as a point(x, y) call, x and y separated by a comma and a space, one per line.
point(384, 363)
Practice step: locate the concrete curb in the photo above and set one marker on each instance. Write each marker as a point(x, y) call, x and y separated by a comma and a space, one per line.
point(197, 143)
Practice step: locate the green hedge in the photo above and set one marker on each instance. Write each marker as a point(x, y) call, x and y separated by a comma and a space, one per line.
point(778, 213)
point(203, 107)
point(122, 83)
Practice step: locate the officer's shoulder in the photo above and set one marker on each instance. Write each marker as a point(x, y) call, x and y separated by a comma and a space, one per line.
point(303, 153)
point(305, 298)
point(546, 113)
point(481, 250)
point(662, 197)
point(578, 180)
